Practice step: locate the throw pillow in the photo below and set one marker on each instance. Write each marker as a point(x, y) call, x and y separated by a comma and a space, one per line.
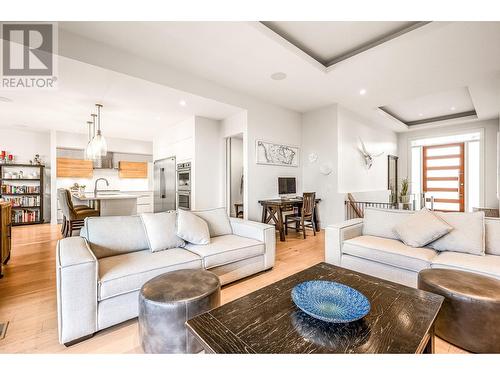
point(161, 230)
point(421, 228)
point(217, 220)
point(381, 222)
point(467, 235)
point(192, 228)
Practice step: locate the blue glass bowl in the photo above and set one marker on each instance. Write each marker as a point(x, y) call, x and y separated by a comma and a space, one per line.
point(330, 301)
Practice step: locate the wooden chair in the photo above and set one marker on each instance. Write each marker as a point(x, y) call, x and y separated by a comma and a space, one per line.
point(73, 216)
point(306, 217)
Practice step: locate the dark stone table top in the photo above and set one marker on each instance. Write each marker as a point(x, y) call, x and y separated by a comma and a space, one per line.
point(267, 321)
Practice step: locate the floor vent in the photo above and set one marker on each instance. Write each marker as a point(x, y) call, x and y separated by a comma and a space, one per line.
point(3, 329)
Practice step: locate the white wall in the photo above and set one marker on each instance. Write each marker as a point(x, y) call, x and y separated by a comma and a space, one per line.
point(490, 128)
point(208, 164)
point(353, 175)
point(24, 144)
point(177, 140)
point(320, 136)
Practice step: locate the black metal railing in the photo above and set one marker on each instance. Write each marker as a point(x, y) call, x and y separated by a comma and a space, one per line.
point(355, 209)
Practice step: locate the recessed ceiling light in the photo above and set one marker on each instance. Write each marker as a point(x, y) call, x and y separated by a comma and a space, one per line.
point(362, 92)
point(5, 100)
point(452, 108)
point(420, 114)
point(278, 76)
point(182, 103)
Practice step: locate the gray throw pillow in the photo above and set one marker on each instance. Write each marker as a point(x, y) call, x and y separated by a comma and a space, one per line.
point(217, 221)
point(192, 228)
point(421, 228)
point(467, 235)
point(161, 230)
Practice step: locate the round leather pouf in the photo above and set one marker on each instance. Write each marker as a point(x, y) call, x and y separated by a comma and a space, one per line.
point(167, 301)
point(470, 315)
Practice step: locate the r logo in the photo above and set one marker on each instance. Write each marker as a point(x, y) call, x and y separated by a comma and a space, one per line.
point(27, 49)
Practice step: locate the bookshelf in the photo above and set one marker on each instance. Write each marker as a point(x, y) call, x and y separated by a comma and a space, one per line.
point(24, 191)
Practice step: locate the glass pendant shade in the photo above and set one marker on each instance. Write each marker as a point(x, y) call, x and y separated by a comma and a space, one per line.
point(99, 145)
point(89, 150)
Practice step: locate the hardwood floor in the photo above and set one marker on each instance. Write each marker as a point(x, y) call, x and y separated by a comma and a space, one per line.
point(28, 296)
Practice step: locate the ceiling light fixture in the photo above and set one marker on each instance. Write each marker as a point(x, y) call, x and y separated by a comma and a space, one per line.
point(89, 150)
point(278, 76)
point(420, 114)
point(362, 92)
point(100, 146)
point(182, 103)
point(452, 108)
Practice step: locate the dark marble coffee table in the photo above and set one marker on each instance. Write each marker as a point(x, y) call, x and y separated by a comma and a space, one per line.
point(401, 320)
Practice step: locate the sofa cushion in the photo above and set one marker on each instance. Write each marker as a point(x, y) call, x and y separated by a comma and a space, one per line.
point(217, 220)
point(467, 235)
point(161, 230)
point(114, 235)
point(488, 265)
point(128, 272)
point(421, 228)
point(192, 228)
point(379, 222)
point(227, 249)
point(390, 252)
point(492, 235)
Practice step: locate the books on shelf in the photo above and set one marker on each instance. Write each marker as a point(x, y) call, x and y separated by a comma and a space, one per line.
point(20, 189)
point(25, 201)
point(25, 216)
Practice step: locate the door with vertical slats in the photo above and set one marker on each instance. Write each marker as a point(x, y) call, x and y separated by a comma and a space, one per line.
point(443, 176)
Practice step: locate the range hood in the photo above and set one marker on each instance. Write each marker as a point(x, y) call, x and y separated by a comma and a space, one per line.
point(105, 162)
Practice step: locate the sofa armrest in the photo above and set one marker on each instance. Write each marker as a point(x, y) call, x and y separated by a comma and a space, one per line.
point(77, 273)
point(262, 232)
point(335, 236)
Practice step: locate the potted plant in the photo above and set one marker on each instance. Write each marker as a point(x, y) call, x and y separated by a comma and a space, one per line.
point(404, 197)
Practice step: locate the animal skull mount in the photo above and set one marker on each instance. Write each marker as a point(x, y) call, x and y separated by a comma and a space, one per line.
point(367, 156)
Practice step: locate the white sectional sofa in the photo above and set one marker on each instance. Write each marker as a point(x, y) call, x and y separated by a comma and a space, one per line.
point(371, 246)
point(99, 274)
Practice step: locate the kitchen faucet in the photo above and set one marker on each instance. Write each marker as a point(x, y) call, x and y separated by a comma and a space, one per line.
point(95, 185)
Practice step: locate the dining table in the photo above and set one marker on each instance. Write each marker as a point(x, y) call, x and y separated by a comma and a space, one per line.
point(273, 209)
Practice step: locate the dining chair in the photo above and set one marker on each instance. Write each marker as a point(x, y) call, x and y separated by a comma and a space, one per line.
point(73, 215)
point(305, 218)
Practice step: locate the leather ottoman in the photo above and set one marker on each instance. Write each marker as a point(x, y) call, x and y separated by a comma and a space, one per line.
point(470, 315)
point(167, 301)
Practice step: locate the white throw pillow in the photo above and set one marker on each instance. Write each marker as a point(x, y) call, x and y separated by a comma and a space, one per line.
point(467, 235)
point(217, 220)
point(192, 228)
point(421, 228)
point(161, 230)
point(381, 222)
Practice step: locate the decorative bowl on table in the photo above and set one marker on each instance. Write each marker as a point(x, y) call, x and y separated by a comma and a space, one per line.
point(330, 301)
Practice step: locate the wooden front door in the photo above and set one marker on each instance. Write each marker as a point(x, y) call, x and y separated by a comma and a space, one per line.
point(443, 176)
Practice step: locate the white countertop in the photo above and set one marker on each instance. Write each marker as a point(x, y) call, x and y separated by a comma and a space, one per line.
point(103, 196)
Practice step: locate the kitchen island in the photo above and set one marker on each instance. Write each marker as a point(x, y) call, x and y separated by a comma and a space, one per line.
point(109, 203)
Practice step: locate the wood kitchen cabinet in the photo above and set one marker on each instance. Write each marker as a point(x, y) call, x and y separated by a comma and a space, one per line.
point(67, 167)
point(5, 233)
point(132, 169)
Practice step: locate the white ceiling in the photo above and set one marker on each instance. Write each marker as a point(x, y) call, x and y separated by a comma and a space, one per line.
point(133, 108)
point(443, 103)
point(437, 57)
point(326, 41)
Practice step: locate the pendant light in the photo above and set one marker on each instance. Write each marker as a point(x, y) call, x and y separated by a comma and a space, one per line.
point(89, 151)
point(99, 143)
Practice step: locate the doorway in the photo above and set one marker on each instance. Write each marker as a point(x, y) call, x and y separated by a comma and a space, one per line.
point(235, 175)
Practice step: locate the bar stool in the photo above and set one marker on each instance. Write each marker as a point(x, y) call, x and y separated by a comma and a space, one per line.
point(73, 215)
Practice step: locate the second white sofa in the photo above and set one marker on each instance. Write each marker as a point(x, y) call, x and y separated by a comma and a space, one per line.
point(371, 246)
